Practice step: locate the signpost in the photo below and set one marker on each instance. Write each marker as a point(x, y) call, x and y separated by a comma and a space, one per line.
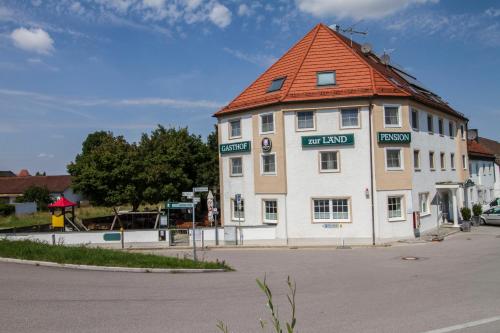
point(237, 199)
point(179, 205)
point(195, 201)
point(188, 195)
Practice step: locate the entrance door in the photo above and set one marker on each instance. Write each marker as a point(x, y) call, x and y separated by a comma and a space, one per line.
point(445, 206)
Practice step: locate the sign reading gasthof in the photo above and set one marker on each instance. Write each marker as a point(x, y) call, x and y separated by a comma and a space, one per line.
point(237, 147)
point(328, 140)
point(394, 137)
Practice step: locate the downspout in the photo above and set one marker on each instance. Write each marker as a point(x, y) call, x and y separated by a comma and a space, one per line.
point(372, 178)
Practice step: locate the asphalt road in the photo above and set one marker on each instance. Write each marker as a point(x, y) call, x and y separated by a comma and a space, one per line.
point(454, 282)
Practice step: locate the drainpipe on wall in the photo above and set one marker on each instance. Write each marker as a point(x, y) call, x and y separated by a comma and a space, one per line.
point(370, 112)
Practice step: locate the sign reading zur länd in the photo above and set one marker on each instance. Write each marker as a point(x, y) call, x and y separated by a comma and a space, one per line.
point(237, 147)
point(328, 140)
point(394, 137)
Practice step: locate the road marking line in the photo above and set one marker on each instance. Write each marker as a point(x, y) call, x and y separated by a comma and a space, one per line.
point(465, 325)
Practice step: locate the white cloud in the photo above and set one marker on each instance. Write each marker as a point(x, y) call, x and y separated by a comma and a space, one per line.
point(158, 4)
point(257, 59)
point(220, 15)
point(493, 12)
point(45, 155)
point(120, 5)
point(35, 40)
point(356, 9)
point(244, 10)
point(77, 8)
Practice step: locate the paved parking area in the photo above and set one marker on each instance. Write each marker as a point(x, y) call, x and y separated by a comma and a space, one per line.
point(359, 290)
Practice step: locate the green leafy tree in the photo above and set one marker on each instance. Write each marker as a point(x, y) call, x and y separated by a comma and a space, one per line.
point(208, 168)
point(38, 194)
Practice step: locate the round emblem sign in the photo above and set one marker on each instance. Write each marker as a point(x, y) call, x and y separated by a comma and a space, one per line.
point(266, 144)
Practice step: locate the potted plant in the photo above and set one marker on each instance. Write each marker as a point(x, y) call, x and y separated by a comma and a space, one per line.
point(466, 215)
point(477, 210)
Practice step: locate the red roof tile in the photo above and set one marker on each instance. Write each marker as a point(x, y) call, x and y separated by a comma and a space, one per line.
point(475, 148)
point(17, 185)
point(323, 49)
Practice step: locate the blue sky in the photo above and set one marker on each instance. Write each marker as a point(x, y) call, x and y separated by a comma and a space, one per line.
point(68, 68)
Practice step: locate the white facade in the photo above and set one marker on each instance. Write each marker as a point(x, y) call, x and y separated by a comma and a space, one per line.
point(484, 173)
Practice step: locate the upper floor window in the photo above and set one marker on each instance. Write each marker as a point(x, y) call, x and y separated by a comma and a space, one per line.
point(442, 161)
point(349, 118)
point(392, 117)
point(464, 162)
point(326, 78)
point(276, 84)
point(267, 123)
point(431, 160)
point(416, 159)
point(329, 161)
point(414, 119)
point(236, 166)
point(451, 129)
point(393, 159)
point(452, 161)
point(430, 124)
point(440, 126)
point(269, 164)
point(305, 120)
point(462, 132)
point(235, 128)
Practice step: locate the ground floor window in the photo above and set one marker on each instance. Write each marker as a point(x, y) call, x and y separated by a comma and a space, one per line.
point(271, 211)
point(423, 199)
point(395, 208)
point(238, 211)
point(331, 210)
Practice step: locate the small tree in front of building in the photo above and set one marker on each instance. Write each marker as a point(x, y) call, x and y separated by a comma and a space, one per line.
point(38, 194)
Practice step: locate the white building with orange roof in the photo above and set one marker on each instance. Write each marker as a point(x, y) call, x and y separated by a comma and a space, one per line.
point(332, 142)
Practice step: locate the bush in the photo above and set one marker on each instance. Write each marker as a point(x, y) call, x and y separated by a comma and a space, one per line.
point(6, 209)
point(466, 214)
point(477, 209)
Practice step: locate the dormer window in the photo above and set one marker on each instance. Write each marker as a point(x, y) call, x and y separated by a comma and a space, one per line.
point(276, 84)
point(326, 78)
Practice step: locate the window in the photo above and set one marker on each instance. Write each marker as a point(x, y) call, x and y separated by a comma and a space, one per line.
point(414, 119)
point(325, 78)
point(391, 116)
point(267, 123)
point(349, 118)
point(430, 124)
point(416, 159)
point(452, 161)
point(462, 132)
point(236, 166)
point(276, 84)
point(431, 160)
point(271, 211)
point(442, 161)
point(423, 203)
point(238, 212)
point(235, 128)
point(329, 161)
point(331, 210)
point(394, 208)
point(269, 164)
point(464, 162)
point(451, 129)
point(440, 126)
point(305, 120)
point(393, 159)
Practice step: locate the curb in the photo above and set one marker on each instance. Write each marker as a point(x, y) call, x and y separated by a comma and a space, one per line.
point(111, 269)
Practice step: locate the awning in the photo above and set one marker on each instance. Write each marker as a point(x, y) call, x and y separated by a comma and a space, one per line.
point(62, 203)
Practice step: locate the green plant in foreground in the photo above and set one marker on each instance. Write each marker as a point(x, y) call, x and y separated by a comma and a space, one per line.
point(276, 324)
point(477, 209)
point(465, 211)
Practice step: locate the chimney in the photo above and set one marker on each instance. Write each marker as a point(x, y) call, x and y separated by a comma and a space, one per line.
point(472, 134)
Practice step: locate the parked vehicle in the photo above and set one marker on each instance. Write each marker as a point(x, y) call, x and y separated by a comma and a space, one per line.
point(494, 203)
point(491, 216)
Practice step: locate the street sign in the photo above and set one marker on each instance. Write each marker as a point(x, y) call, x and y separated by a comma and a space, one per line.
point(201, 189)
point(237, 198)
point(179, 205)
point(196, 200)
point(187, 194)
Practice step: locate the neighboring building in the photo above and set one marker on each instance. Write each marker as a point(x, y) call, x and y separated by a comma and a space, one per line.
point(330, 134)
point(13, 187)
point(7, 174)
point(484, 171)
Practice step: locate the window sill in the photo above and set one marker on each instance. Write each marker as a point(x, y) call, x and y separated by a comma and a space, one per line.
point(417, 170)
point(268, 174)
point(392, 126)
point(239, 175)
point(425, 214)
point(394, 169)
point(350, 127)
point(236, 220)
point(397, 219)
point(430, 133)
point(305, 129)
point(270, 222)
point(330, 221)
point(329, 171)
point(433, 169)
point(235, 137)
point(266, 133)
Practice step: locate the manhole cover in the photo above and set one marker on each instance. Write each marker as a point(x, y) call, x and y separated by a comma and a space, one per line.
point(410, 258)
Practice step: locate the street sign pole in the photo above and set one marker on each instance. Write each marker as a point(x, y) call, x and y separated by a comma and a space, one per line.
point(194, 231)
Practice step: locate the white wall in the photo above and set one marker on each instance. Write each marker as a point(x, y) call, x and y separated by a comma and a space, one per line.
point(487, 185)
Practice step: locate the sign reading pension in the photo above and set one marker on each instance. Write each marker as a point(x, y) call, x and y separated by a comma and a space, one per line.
point(328, 140)
point(237, 147)
point(394, 137)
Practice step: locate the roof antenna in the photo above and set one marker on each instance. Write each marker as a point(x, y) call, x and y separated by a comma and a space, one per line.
point(351, 31)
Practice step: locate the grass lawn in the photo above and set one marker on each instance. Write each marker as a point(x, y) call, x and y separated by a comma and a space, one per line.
point(81, 255)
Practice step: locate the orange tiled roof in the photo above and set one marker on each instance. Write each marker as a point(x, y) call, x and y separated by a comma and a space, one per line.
point(475, 148)
point(323, 49)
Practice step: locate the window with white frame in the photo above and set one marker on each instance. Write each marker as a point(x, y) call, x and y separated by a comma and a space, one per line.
point(326, 78)
point(349, 118)
point(393, 158)
point(238, 211)
point(440, 126)
point(271, 211)
point(451, 129)
point(267, 123)
point(391, 116)
point(462, 132)
point(305, 120)
point(235, 128)
point(442, 161)
point(331, 210)
point(236, 166)
point(452, 161)
point(416, 159)
point(328, 161)
point(414, 119)
point(395, 208)
point(423, 203)
point(269, 164)
point(431, 160)
point(430, 124)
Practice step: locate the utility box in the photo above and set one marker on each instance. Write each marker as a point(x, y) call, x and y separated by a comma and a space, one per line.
point(230, 237)
point(162, 235)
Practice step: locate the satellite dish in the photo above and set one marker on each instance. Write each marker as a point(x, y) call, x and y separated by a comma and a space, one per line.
point(366, 48)
point(385, 59)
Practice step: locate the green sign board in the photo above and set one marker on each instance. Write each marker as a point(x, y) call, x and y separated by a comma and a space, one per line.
point(328, 140)
point(394, 137)
point(237, 147)
point(112, 236)
point(179, 205)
